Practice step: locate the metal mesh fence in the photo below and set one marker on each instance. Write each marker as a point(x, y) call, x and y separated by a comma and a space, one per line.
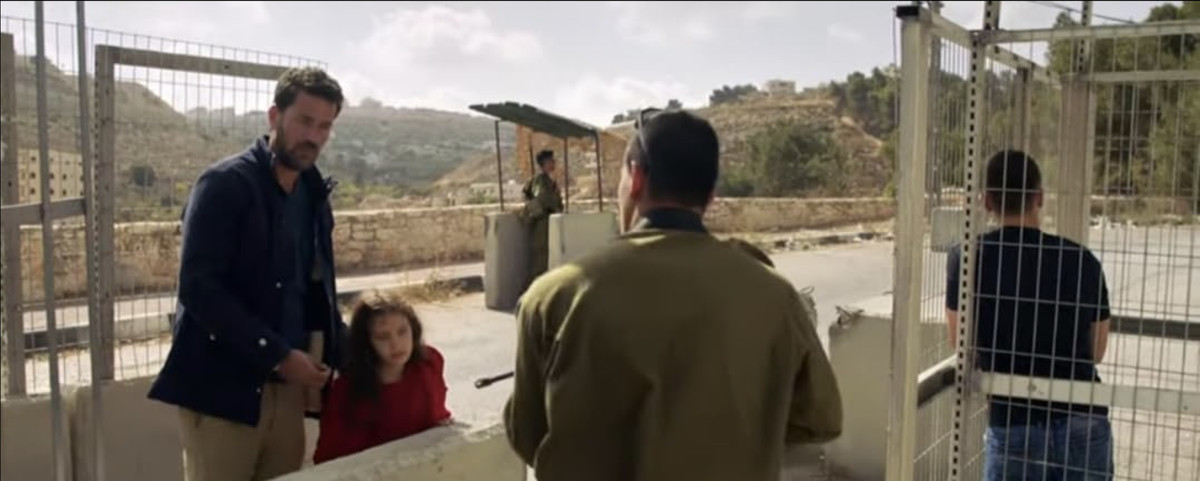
point(172, 113)
point(1105, 242)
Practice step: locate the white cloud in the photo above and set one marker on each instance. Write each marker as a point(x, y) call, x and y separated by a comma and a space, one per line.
point(420, 57)
point(256, 12)
point(595, 99)
point(758, 11)
point(661, 24)
point(438, 32)
point(843, 33)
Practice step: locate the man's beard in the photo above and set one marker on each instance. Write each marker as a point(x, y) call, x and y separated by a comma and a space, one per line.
point(288, 157)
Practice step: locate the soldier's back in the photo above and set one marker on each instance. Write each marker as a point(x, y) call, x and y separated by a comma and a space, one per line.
point(675, 358)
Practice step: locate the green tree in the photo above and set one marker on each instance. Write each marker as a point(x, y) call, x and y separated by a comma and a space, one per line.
point(1144, 144)
point(789, 159)
point(727, 94)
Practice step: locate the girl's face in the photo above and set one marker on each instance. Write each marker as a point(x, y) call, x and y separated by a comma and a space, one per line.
point(391, 337)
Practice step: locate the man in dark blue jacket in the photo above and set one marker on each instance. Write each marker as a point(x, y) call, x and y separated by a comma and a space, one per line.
point(256, 282)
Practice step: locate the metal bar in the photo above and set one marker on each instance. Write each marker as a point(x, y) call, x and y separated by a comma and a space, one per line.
point(972, 181)
point(910, 234)
point(566, 193)
point(1142, 76)
point(190, 63)
point(95, 333)
point(499, 168)
point(32, 214)
point(599, 174)
point(1174, 27)
point(104, 194)
point(58, 434)
point(1071, 204)
point(936, 380)
point(1183, 330)
point(1141, 398)
point(10, 193)
point(947, 29)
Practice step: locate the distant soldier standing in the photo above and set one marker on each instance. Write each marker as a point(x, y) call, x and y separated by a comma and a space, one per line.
point(542, 198)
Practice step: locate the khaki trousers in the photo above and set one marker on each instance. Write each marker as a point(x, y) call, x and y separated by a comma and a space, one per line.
point(215, 449)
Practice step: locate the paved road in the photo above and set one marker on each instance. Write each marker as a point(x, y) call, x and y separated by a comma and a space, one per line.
point(478, 342)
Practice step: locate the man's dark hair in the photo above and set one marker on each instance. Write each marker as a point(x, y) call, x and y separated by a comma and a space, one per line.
point(310, 80)
point(544, 156)
point(679, 152)
point(1013, 178)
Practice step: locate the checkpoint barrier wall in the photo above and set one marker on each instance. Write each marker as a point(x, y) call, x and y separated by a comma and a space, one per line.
point(575, 234)
point(505, 260)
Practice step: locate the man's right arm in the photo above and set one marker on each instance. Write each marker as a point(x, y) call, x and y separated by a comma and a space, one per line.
point(816, 408)
point(1098, 306)
point(209, 241)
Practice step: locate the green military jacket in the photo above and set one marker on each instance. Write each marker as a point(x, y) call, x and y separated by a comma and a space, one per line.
point(542, 198)
point(667, 355)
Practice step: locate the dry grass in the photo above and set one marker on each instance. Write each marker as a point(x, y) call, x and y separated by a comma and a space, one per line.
point(435, 288)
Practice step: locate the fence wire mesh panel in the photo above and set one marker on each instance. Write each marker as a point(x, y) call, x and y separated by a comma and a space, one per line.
point(1034, 267)
point(945, 156)
point(25, 296)
point(173, 108)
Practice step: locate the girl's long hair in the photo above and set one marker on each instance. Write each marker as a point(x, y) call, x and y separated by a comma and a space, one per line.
point(362, 363)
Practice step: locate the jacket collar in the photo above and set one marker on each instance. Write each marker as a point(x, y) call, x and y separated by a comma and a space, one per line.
point(264, 160)
point(670, 218)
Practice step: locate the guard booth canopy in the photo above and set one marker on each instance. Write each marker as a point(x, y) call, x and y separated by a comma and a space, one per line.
point(547, 123)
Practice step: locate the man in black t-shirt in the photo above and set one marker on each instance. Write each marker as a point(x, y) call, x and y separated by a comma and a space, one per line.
point(1040, 310)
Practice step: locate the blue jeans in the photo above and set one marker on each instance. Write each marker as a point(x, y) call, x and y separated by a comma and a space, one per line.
point(1073, 448)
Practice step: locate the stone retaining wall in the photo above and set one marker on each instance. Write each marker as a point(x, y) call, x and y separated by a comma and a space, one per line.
point(147, 253)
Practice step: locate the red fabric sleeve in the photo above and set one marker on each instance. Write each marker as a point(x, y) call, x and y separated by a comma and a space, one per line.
point(337, 437)
point(436, 384)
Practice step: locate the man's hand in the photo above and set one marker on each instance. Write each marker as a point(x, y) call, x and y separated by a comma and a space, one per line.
point(298, 368)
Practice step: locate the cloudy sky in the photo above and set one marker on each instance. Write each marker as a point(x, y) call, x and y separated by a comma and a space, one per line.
point(587, 60)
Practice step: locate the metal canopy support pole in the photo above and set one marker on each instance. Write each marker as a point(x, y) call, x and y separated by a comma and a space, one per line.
point(58, 434)
point(599, 174)
point(910, 234)
point(95, 333)
point(964, 436)
point(10, 194)
point(566, 193)
point(499, 167)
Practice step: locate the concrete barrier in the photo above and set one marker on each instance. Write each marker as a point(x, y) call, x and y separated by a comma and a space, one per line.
point(576, 234)
point(140, 436)
point(859, 347)
point(451, 453)
point(26, 449)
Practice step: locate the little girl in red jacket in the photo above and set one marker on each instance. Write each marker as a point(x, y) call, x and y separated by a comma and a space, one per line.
point(392, 385)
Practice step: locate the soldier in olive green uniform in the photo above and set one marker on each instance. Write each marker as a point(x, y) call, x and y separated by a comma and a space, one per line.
point(668, 354)
point(542, 199)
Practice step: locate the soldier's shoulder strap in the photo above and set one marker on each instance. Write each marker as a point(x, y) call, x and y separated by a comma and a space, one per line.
point(751, 249)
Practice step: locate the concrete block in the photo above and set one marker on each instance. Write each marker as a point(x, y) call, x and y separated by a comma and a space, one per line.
point(855, 344)
point(505, 260)
point(26, 445)
point(451, 453)
point(576, 234)
point(140, 437)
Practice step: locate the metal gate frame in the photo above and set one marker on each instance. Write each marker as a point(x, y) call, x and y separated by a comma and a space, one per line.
point(108, 57)
point(15, 215)
point(920, 29)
